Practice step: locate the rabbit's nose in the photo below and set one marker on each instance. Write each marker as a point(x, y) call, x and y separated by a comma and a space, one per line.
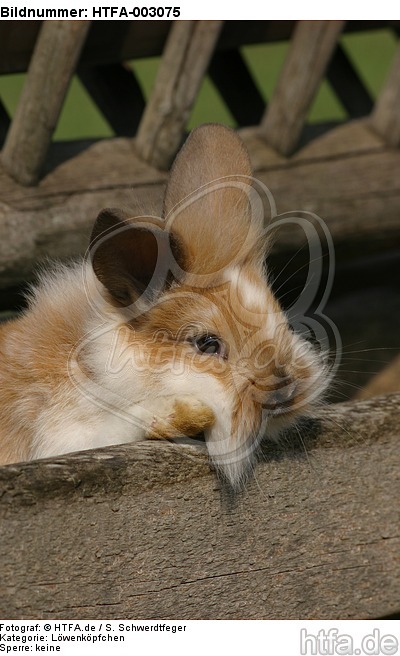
point(282, 397)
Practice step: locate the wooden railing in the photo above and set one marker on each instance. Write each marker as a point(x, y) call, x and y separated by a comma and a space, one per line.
point(145, 531)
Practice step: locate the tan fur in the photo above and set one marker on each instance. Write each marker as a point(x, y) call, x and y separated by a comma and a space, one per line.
point(33, 353)
point(209, 182)
point(185, 419)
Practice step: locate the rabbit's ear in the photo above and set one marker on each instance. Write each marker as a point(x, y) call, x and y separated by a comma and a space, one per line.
point(207, 200)
point(210, 152)
point(131, 259)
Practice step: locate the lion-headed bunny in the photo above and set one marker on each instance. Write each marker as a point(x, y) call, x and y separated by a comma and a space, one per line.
point(168, 328)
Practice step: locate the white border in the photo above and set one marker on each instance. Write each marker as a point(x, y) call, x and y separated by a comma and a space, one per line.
point(214, 10)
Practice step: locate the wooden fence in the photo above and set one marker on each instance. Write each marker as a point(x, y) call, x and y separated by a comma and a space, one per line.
point(144, 531)
point(71, 181)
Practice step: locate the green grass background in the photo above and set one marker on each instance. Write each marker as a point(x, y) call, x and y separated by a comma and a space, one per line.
point(370, 52)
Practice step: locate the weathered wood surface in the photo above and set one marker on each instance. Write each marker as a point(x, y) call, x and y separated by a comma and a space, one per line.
point(349, 177)
point(310, 50)
point(385, 118)
point(55, 218)
point(52, 65)
point(143, 531)
point(184, 63)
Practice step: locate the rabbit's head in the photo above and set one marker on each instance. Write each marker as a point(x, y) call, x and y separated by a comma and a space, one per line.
point(193, 291)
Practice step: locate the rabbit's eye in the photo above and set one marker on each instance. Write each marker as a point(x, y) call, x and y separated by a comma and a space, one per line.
point(210, 344)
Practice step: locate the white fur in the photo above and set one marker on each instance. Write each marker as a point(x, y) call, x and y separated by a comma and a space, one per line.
point(115, 405)
point(253, 297)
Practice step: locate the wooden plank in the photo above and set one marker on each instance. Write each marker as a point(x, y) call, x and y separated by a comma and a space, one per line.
point(310, 50)
point(385, 119)
point(118, 95)
point(340, 141)
point(55, 218)
point(145, 531)
point(347, 85)
point(229, 73)
point(184, 63)
point(52, 66)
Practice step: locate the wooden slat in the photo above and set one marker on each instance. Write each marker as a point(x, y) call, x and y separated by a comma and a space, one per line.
point(52, 66)
point(144, 531)
point(184, 63)
point(229, 73)
point(309, 52)
point(33, 221)
point(347, 85)
point(385, 118)
point(118, 95)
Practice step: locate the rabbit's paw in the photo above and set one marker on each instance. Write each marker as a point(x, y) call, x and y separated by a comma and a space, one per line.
point(185, 417)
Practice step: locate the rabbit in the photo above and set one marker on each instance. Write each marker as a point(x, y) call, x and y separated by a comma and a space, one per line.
point(168, 327)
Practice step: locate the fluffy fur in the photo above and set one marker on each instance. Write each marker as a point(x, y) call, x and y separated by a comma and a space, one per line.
point(107, 351)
